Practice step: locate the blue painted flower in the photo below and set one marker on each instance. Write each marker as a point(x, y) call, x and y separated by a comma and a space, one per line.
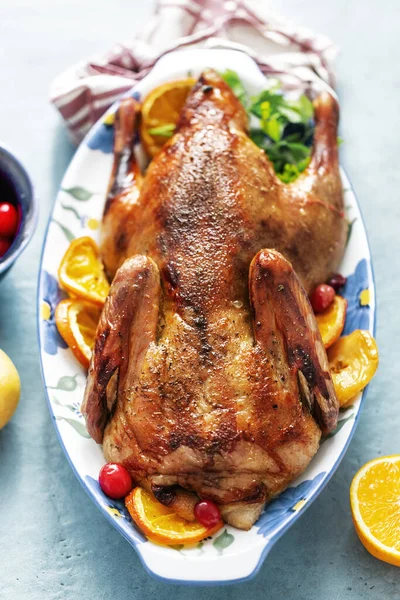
point(76, 408)
point(357, 294)
point(102, 137)
point(51, 296)
point(117, 509)
point(280, 510)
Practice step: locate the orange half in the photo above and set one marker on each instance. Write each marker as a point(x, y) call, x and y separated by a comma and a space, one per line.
point(375, 506)
point(161, 524)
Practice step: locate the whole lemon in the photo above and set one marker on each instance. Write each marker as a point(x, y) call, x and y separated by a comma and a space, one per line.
point(10, 387)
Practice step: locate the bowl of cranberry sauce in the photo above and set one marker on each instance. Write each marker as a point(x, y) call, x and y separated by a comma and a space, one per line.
point(18, 209)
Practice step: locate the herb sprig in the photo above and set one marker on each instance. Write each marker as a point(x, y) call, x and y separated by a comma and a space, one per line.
point(284, 128)
point(166, 130)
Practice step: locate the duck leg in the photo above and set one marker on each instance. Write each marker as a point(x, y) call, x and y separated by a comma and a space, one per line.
point(285, 328)
point(126, 328)
point(322, 176)
point(312, 229)
point(122, 203)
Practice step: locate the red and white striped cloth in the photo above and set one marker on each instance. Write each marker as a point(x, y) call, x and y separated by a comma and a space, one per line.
point(299, 57)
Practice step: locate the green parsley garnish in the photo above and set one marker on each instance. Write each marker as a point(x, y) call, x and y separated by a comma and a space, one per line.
point(284, 127)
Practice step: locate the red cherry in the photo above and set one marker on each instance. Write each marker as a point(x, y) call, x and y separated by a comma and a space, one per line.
point(8, 220)
point(337, 281)
point(4, 246)
point(322, 297)
point(207, 513)
point(115, 480)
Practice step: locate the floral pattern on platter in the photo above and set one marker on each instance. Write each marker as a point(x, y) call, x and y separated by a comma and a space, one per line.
point(67, 383)
point(280, 510)
point(52, 295)
point(357, 294)
point(78, 193)
point(69, 411)
point(73, 417)
point(102, 139)
point(84, 220)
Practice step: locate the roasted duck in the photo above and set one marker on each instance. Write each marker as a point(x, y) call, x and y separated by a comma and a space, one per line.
point(208, 372)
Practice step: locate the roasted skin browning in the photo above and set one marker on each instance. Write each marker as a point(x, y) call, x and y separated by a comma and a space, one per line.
point(209, 373)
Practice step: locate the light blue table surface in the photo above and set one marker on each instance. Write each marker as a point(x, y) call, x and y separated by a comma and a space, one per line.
point(54, 543)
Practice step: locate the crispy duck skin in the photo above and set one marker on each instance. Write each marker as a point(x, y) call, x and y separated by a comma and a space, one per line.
point(208, 372)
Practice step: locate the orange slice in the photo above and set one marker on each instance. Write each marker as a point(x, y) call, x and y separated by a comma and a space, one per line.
point(160, 113)
point(161, 524)
point(331, 321)
point(77, 324)
point(81, 272)
point(353, 360)
point(375, 506)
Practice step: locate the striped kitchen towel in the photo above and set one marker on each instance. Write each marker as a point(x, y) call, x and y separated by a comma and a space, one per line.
point(300, 58)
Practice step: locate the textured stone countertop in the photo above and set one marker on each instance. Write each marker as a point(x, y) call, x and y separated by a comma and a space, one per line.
point(53, 542)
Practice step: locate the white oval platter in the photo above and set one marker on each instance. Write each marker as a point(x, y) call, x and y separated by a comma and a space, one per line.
point(232, 555)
